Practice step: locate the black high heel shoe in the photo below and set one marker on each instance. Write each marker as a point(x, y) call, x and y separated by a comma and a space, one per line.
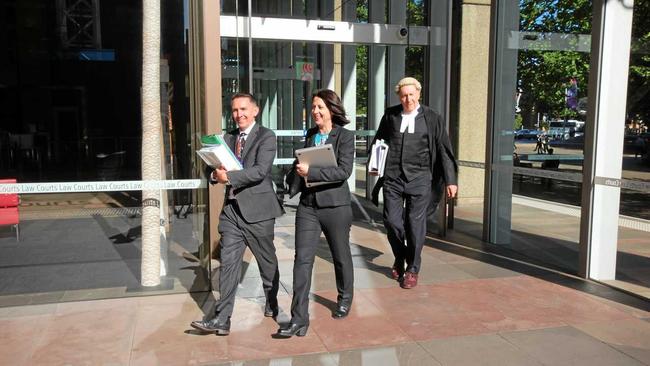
point(341, 312)
point(292, 329)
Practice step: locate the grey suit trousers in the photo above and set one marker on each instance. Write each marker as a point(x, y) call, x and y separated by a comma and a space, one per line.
point(236, 234)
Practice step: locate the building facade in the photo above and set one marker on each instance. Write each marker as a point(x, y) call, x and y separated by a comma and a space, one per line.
point(71, 129)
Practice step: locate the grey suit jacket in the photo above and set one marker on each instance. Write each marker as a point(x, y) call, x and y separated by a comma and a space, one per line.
point(253, 186)
point(338, 192)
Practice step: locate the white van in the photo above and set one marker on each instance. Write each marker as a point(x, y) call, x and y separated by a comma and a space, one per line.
point(563, 130)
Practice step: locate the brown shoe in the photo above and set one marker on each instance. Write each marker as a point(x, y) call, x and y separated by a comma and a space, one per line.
point(396, 274)
point(410, 280)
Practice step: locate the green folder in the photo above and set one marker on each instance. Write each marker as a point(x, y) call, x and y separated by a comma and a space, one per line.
point(212, 140)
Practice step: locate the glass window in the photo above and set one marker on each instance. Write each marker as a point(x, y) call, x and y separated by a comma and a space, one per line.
point(70, 96)
point(538, 130)
point(634, 224)
point(309, 9)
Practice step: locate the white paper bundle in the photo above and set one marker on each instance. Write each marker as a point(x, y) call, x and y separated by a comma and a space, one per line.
point(216, 153)
point(378, 154)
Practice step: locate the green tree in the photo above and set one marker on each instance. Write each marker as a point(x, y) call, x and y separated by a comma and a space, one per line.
point(415, 61)
point(362, 63)
point(518, 122)
point(362, 80)
point(544, 74)
point(638, 91)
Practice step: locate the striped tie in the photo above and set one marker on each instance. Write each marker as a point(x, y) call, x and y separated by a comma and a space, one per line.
point(239, 147)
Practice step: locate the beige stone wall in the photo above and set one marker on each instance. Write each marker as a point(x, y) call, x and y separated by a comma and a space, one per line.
point(474, 70)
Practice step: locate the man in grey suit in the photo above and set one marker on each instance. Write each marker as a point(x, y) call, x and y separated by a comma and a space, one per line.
point(248, 215)
point(420, 162)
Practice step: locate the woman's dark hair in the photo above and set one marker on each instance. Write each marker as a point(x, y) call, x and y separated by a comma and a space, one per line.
point(333, 103)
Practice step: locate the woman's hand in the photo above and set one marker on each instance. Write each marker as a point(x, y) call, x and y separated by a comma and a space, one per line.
point(302, 169)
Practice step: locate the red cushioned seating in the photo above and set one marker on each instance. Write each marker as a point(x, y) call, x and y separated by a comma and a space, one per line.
point(9, 208)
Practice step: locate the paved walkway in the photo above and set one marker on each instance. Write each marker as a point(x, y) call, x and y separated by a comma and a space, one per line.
point(470, 308)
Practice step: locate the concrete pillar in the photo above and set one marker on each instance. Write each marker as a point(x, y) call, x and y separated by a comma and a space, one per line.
point(473, 91)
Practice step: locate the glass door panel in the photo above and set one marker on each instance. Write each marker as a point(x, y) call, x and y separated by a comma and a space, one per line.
point(633, 251)
point(538, 132)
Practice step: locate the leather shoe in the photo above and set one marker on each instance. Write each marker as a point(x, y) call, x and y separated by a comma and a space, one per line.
point(292, 329)
point(410, 280)
point(341, 312)
point(219, 327)
point(271, 312)
point(271, 308)
point(396, 274)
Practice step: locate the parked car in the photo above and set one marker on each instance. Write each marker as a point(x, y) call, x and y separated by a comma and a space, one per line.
point(564, 130)
point(636, 144)
point(519, 133)
point(528, 135)
point(646, 147)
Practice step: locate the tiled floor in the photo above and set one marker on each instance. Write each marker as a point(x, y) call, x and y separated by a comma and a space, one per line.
point(469, 309)
point(548, 234)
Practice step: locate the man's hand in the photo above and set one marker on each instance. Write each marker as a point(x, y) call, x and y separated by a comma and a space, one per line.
point(302, 169)
point(451, 191)
point(220, 175)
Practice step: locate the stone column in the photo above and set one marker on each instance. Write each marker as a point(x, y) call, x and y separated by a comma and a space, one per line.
point(473, 92)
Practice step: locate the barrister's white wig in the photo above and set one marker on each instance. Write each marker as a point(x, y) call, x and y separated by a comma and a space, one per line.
point(408, 81)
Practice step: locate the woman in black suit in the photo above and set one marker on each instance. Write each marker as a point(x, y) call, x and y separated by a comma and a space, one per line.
point(323, 208)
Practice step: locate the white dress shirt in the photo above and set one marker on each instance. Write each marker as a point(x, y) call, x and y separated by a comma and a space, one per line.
point(247, 131)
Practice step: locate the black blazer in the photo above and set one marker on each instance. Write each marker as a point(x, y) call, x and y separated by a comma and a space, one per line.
point(338, 192)
point(253, 186)
point(443, 167)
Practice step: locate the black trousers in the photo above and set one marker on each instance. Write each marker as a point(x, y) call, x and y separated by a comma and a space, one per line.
point(236, 234)
point(405, 218)
point(335, 223)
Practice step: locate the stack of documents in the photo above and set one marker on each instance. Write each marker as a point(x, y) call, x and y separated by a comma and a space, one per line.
point(215, 152)
point(378, 154)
